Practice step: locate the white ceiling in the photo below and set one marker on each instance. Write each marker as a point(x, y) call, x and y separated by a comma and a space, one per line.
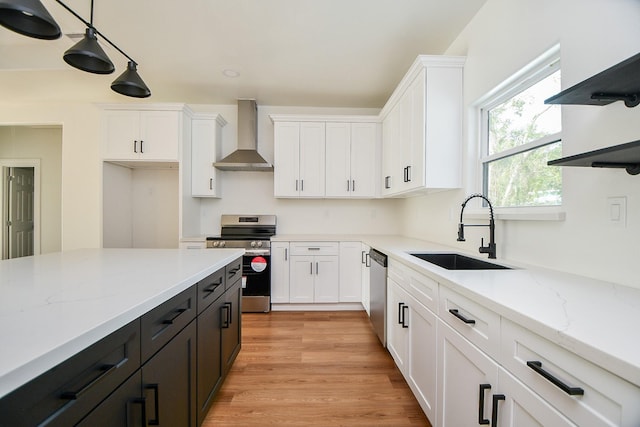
point(339, 53)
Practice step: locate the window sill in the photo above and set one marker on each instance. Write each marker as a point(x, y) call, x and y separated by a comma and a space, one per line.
point(550, 213)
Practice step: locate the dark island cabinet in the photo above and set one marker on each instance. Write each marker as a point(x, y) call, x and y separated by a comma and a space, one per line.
point(162, 369)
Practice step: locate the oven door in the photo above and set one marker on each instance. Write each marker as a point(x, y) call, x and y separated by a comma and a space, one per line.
point(256, 283)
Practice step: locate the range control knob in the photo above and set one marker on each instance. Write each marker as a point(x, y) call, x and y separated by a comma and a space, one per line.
point(253, 244)
point(259, 244)
point(216, 244)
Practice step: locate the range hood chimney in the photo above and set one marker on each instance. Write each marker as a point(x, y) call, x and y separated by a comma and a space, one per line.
point(246, 157)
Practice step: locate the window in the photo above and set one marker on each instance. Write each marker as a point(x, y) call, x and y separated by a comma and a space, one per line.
point(519, 135)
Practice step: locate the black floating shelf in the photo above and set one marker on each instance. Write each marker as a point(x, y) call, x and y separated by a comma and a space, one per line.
point(618, 83)
point(623, 156)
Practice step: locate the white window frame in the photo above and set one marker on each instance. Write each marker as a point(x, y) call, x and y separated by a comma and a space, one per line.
point(542, 67)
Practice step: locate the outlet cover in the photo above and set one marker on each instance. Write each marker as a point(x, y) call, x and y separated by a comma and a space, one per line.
point(617, 211)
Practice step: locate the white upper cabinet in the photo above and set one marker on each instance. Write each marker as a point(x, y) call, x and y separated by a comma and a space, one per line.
point(299, 154)
point(143, 135)
point(351, 159)
point(206, 142)
point(326, 156)
point(422, 128)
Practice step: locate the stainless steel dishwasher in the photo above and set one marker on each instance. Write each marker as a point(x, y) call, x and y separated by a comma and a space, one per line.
point(378, 294)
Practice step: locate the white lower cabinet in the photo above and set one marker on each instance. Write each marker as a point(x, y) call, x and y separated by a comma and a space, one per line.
point(314, 275)
point(475, 390)
point(280, 272)
point(397, 326)
point(350, 272)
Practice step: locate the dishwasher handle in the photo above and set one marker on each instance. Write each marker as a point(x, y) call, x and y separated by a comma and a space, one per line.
point(378, 257)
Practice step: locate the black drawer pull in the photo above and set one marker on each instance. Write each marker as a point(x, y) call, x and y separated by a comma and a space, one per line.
point(494, 414)
point(105, 371)
point(456, 313)
point(156, 404)
point(572, 391)
point(212, 287)
point(179, 311)
point(404, 316)
point(481, 419)
point(313, 249)
point(233, 271)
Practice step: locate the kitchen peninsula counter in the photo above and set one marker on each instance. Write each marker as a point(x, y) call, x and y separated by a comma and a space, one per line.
point(55, 305)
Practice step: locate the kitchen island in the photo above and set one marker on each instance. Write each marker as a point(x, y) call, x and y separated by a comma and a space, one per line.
point(56, 305)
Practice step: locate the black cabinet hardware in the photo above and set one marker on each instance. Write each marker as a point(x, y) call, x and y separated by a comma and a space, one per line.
point(226, 313)
point(106, 370)
point(135, 146)
point(141, 150)
point(387, 182)
point(494, 414)
point(401, 314)
point(456, 313)
point(213, 287)
point(143, 407)
point(404, 316)
point(481, 419)
point(170, 321)
point(156, 403)
point(572, 391)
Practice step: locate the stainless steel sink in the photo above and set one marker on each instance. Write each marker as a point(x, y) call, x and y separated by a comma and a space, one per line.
point(454, 261)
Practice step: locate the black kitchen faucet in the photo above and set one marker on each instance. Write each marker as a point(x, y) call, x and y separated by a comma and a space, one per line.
point(491, 248)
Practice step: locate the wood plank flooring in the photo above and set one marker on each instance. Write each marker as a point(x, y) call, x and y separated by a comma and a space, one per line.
point(313, 369)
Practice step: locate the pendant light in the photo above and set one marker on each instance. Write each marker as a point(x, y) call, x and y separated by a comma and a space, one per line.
point(130, 84)
point(87, 55)
point(29, 18)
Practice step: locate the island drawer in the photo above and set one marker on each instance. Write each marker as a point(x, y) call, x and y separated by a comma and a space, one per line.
point(581, 390)
point(234, 272)
point(164, 322)
point(315, 248)
point(63, 395)
point(475, 322)
point(210, 289)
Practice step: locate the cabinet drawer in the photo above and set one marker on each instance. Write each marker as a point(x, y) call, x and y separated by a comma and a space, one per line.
point(66, 393)
point(315, 248)
point(606, 399)
point(210, 288)
point(233, 272)
point(423, 288)
point(165, 321)
point(476, 323)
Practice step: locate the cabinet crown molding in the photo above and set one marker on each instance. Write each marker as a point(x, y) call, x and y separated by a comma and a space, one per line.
point(324, 118)
point(147, 107)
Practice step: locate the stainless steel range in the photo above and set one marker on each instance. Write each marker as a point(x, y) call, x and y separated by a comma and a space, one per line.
point(251, 233)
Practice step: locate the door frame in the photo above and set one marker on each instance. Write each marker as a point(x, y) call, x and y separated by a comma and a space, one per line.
point(22, 163)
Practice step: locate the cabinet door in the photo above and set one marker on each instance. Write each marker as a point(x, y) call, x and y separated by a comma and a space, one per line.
point(464, 377)
point(312, 159)
point(122, 135)
point(231, 325)
point(124, 407)
point(415, 147)
point(302, 279)
point(363, 159)
point(169, 382)
point(327, 278)
point(204, 180)
point(280, 272)
point(160, 135)
point(209, 350)
point(350, 272)
point(338, 161)
point(391, 161)
point(286, 172)
point(397, 324)
point(421, 373)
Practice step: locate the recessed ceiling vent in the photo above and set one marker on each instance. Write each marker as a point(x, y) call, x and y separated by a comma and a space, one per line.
point(246, 157)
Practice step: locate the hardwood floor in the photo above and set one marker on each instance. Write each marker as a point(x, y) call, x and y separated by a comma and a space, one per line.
point(313, 369)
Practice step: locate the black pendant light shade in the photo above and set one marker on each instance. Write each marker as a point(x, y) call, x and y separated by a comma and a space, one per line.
point(130, 84)
point(87, 55)
point(29, 18)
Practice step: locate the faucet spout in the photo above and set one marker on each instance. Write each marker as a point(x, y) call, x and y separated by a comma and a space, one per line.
point(491, 247)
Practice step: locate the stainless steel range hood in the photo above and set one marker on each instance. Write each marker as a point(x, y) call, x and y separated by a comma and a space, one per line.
point(246, 157)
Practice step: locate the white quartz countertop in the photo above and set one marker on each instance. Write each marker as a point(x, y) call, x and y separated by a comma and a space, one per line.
point(53, 306)
point(595, 319)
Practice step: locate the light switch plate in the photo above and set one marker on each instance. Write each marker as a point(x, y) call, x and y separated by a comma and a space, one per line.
point(617, 211)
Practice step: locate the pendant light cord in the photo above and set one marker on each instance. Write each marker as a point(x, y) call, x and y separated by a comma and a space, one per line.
point(90, 25)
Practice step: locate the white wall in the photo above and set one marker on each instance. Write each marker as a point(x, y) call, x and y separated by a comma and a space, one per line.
point(81, 165)
point(44, 143)
point(593, 35)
